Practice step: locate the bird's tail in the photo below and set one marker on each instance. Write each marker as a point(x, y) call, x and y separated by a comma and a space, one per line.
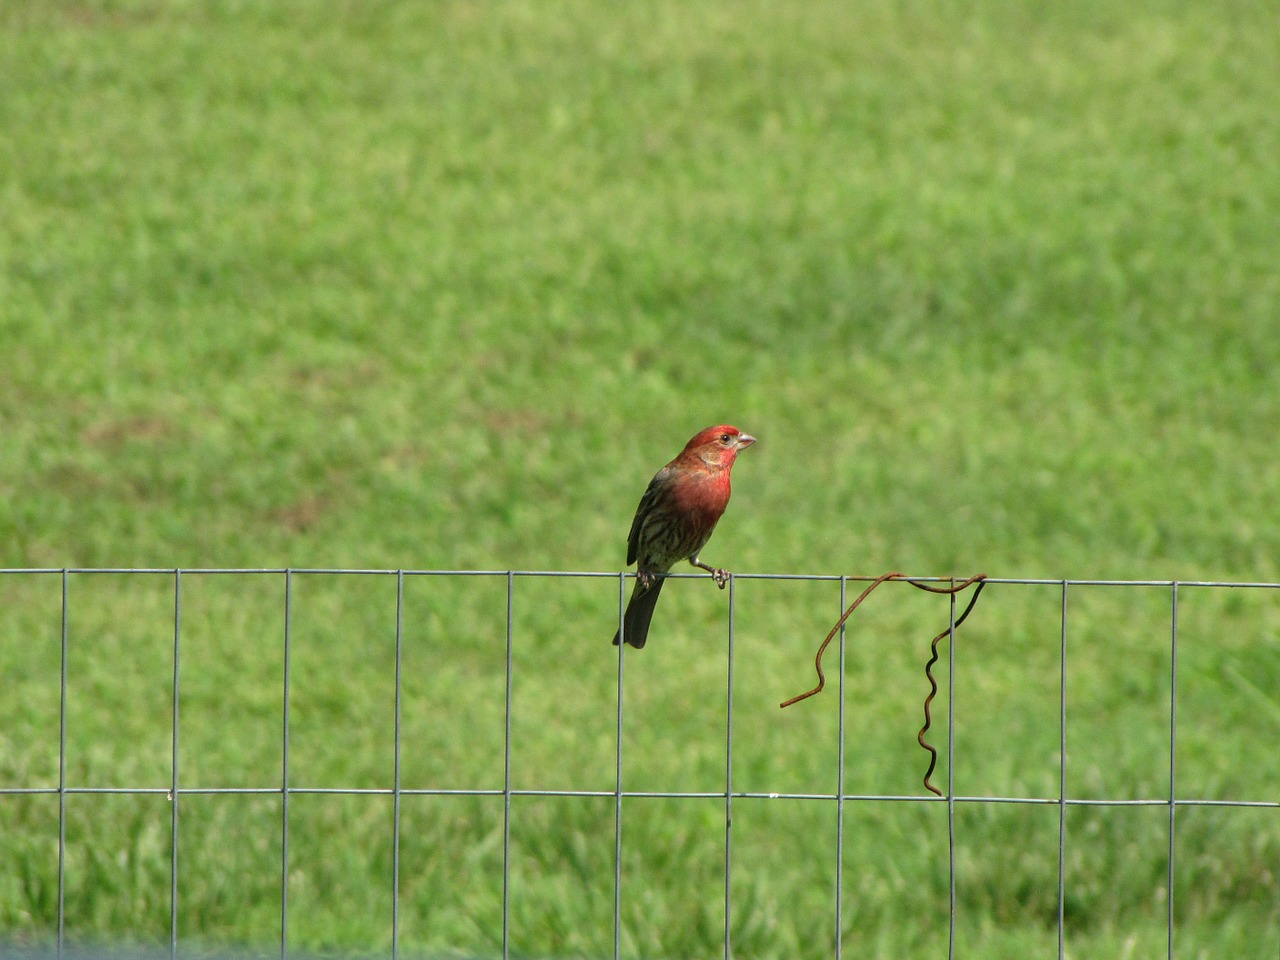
point(635, 622)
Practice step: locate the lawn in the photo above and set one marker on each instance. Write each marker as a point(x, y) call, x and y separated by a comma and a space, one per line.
point(438, 286)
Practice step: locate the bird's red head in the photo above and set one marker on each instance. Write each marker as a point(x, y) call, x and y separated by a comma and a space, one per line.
point(719, 444)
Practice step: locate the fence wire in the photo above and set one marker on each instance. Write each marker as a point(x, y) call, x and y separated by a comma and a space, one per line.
point(286, 788)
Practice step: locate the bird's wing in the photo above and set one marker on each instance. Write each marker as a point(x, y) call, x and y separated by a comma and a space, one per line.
point(651, 496)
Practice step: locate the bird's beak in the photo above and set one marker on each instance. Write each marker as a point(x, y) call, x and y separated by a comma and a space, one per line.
point(745, 440)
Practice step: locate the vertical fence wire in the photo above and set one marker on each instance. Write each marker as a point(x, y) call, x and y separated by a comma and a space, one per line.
point(173, 769)
point(839, 946)
point(617, 783)
point(395, 796)
point(1062, 777)
point(506, 784)
point(1173, 746)
point(284, 769)
point(728, 789)
point(951, 777)
point(62, 774)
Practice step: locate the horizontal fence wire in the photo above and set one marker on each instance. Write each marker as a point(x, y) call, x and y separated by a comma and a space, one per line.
point(286, 788)
point(614, 575)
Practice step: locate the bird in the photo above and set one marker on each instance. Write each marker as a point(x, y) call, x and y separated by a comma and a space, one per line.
point(675, 518)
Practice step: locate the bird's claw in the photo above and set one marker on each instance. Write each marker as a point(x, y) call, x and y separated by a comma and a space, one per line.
point(720, 576)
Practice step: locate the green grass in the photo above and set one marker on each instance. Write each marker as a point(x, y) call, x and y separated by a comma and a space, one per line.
point(441, 285)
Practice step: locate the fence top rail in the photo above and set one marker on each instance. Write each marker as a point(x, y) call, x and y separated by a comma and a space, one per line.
point(614, 574)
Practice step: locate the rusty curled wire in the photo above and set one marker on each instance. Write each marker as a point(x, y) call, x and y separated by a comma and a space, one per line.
point(980, 579)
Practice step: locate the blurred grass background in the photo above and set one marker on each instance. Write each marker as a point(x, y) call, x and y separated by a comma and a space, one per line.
point(441, 285)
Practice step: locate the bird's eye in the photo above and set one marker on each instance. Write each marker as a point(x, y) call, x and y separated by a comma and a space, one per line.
point(725, 438)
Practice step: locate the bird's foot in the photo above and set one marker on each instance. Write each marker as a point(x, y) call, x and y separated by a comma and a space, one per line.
point(718, 574)
point(645, 579)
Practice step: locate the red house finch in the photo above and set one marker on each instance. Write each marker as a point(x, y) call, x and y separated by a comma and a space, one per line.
point(675, 518)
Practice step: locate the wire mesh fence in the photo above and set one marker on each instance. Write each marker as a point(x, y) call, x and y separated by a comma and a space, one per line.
point(1164, 722)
